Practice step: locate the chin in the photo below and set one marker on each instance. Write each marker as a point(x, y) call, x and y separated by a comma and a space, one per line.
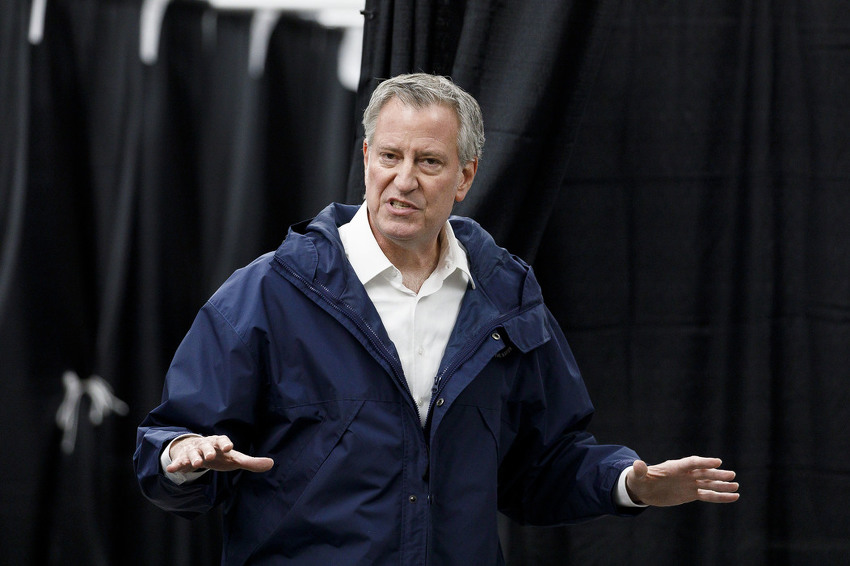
point(399, 236)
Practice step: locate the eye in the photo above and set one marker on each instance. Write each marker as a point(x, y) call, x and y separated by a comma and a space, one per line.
point(431, 162)
point(386, 157)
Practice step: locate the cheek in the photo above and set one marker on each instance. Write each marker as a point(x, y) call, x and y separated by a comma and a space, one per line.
point(370, 178)
point(445, 203)
point(374, 187)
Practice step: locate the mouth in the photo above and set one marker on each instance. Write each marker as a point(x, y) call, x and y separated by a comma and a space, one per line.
point(400, 205)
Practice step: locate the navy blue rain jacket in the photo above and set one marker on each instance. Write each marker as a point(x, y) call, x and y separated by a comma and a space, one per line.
point(290, 360)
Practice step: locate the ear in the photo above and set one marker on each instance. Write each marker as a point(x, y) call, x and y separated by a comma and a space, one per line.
point(467, 176)
point(365, 162)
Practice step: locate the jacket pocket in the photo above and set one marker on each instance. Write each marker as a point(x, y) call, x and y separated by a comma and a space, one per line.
point(305, 444)
point(321, 426)
point(491, 422)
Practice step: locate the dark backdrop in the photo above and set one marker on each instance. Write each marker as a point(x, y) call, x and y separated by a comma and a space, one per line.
point(677, 172)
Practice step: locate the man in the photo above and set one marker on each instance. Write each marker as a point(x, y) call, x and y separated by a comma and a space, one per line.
point(396, 377)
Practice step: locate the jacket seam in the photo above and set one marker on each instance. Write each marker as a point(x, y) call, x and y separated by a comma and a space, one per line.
point(232, 326)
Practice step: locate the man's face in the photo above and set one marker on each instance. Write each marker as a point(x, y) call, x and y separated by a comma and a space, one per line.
point(413, 175)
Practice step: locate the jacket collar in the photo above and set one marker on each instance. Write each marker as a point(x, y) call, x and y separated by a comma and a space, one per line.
point(369, 261)
point(498, 274)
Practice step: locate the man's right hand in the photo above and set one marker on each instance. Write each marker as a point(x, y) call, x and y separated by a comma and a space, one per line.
point(192, 453)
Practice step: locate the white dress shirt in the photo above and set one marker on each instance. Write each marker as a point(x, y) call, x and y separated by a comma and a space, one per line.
point(419, 324)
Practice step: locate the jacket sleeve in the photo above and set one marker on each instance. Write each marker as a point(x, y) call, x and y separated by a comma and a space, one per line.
point(555, 472)
point(211, 388)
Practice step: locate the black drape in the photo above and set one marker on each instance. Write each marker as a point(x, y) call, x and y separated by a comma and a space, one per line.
point(677, 173)
point(700, 252)
point(129, 193)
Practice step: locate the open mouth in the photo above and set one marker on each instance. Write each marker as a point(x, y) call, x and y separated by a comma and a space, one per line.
point(398, 205)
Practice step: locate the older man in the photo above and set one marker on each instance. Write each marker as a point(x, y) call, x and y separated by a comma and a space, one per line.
point(396, 377)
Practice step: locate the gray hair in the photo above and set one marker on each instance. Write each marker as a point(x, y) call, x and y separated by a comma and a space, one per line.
point(420, 90)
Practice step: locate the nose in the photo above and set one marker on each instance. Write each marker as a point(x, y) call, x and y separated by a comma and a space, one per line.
point(405, 178)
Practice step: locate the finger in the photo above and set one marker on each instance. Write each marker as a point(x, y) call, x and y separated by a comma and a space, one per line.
point(174, 467)
point(187, 461)
point(251, 463)
point(223, 443)
point(187, 453)
point(209, 452)
point(722, 486)
point(710, 496)
point(199, 455)
point(259, 464)
point(715, 475)
point(640, 469)
point(699, 462)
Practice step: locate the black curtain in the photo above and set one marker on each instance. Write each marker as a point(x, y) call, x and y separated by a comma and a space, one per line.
point(701, 251)
point(678, 174)
point(129, 192)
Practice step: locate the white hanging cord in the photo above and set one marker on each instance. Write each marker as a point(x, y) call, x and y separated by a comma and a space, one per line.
point(102, 399)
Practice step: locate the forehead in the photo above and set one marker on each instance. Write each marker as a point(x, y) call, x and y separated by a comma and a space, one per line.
point(399, 121)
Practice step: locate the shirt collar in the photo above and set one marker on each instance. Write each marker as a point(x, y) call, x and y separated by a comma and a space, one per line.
point(369, 261)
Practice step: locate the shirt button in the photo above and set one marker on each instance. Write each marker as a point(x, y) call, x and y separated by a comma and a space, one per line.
point(421, 351)
point(412, 499)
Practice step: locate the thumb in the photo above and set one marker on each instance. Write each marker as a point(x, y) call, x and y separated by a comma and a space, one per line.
point(634, 478)
point(253, 464)
point(640, 469)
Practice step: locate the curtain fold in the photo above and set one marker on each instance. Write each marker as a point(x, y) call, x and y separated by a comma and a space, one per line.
point(15, 72)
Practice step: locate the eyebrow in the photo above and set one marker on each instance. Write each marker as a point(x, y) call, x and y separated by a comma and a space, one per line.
point(419, 153)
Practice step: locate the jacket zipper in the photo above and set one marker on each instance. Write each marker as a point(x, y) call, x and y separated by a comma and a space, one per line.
point(372, 336)
point(471, 346)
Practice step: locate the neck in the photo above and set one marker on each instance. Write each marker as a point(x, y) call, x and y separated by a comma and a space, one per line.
point(415, 264)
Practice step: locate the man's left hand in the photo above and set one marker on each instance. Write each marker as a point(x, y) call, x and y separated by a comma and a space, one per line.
point(681, 481)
